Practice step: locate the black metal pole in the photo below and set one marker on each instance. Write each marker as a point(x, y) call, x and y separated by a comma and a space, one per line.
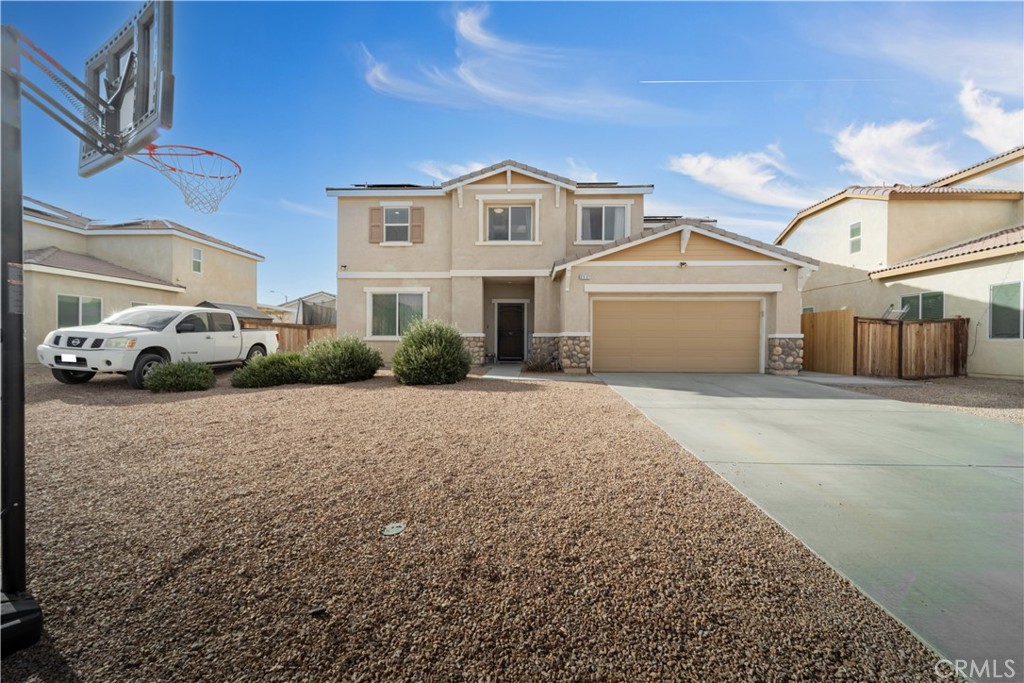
point(22, 620)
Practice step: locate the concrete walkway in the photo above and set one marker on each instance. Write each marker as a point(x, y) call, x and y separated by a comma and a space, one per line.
point(923, 509)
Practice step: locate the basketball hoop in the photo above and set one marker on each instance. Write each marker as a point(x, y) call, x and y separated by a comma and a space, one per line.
point(204, 177)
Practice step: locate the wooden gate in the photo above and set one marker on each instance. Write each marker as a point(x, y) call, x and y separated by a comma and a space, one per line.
point(911, 349)
point(828, 341)
point(294, 337)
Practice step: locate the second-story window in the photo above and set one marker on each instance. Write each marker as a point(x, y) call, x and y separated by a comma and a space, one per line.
point(509, 223)
point(602, 223)
point(854, 237)
point(197, 260)
point(396, 224)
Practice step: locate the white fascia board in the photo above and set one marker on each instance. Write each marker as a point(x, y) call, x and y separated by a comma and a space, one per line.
point(501, 273)
point(391, 275)
point(680, 288)
point(613, 190)
point(406, 192)
point(32, 267)
point(627, 245)
point(677, 264)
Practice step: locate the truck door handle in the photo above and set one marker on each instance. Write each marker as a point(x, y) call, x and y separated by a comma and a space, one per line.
point(234, 336)
point(209, 336)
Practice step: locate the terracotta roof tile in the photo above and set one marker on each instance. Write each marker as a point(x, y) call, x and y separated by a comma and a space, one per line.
point(1003, 238)
point(1008, 153)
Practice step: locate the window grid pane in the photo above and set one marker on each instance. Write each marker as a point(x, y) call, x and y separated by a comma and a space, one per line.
point(92, 310)
point(1006, 311)
point(410, 309)
point(521, 225)
point(614, 222)
point(396, 233)
point(591, 229)
point(932, 306)
point(67, 311)
point(497, 223)
point(384, 315)
point(914, 302)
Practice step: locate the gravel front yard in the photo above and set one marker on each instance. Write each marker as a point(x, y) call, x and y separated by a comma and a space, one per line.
point(553, 533)
point(995, 399)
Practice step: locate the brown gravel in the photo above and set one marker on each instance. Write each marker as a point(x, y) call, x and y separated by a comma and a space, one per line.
point(995, 399)
point(553, 533)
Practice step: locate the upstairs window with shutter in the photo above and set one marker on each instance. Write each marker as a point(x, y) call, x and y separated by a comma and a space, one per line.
point(396, 225)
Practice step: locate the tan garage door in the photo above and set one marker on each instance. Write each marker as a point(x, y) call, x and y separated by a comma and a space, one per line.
point(676, 336)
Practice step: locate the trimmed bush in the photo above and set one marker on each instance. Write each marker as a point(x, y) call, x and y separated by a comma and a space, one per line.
point(283, 367)
point(431, 352)
point(340, 360)
point(180, 376)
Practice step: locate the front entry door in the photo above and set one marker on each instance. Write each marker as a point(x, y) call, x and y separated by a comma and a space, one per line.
point(511, 331)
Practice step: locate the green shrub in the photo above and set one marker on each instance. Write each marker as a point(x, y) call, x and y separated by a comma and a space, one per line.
point(283, 367)
point(540, 363)
point(340, 360)
point(431, 352)
point(180, 376)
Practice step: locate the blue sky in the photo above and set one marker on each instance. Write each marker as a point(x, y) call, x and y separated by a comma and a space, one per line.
point(783, 104)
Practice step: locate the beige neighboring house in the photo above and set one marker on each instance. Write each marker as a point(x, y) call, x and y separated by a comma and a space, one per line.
point(78, 270)
point(524, 262)
point(953, 247)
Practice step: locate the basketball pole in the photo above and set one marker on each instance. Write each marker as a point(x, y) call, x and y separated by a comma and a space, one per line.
point(22, 619)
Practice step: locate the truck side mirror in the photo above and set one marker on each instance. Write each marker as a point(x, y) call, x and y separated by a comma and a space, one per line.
point(186, 327)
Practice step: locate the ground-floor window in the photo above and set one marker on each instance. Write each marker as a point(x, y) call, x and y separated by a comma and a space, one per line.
point(924, 306)
point(78, 310)
point(1005, 311)
point(391, 313)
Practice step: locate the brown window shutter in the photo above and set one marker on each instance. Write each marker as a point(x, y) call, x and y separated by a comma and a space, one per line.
point(416, 224)
point(376, 225)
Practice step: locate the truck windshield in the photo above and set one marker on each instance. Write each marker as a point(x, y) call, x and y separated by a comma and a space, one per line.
point(154, 319)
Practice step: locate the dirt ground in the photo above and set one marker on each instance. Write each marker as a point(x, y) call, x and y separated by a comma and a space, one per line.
point(995, 399)
point(553, 533)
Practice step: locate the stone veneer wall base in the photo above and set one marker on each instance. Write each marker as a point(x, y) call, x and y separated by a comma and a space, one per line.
point(475, 345)
point(785, 355)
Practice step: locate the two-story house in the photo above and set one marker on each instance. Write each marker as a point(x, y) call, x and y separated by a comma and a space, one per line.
point(524, 261)
point(953, 247)
point(78, 270)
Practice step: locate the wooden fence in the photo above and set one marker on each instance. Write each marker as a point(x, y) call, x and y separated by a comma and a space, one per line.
point(828, 341)
point(838, 342)
point(294, 337)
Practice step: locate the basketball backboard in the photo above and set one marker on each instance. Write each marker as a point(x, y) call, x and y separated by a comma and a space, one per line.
point(133, 73)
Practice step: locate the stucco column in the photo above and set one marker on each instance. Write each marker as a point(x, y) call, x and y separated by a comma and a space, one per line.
point(468, 304)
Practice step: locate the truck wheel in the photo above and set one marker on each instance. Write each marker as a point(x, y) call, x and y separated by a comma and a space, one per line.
point(143, 366)
point(72, 376)
point(255, 352)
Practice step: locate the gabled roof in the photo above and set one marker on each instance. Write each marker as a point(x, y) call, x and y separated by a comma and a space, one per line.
point(53, 257)
point(886, 192)
point(992, 162)
point(509, 164)
point(1008, 237)
point(702, 226)
point(40, 209)
point(240, 310)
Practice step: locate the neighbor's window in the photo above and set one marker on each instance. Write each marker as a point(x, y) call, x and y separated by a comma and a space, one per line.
point(855, 237)
point(807, 309)
point(197, 260)
point(509, 223)
point(396, 224)
point(394, 313)
point(602, 223)
point(1005, 314)
point(78, 310)
point(925, 306)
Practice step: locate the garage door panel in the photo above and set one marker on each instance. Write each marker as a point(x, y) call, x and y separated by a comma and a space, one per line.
point(676, 336)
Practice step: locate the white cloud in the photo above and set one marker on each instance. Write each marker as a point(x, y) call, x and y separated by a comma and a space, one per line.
point(493, 71)
point(752, 176)
point(442, 171)
point(890, 153)
point(993, 126)
point(580, 172)
point(304, 209)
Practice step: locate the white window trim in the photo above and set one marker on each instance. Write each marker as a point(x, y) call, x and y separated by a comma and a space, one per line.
point(200, 260)
point(526, 326)
point(1020, 305)
point(507, 199)
point(384, 241)
point(920, 308)
point(627, 204)
point(370, 291)
point(56, 311)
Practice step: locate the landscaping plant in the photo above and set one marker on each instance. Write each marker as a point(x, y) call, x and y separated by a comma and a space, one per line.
point(283, 367)
point(180, 376)
point(431, 352)
point(340, 360)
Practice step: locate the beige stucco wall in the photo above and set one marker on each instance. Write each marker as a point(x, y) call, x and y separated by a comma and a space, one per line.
point(35, 235)
point(966, 294)
point(918, 226)
point(357, 254)
point(226, 277)
point(149, 254)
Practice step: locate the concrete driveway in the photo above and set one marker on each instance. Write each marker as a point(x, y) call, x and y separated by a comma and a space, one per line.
point(923, 509)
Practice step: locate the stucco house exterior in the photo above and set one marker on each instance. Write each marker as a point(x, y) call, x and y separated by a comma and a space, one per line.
point(78, 270)
point(953, 247)
point(524, 261)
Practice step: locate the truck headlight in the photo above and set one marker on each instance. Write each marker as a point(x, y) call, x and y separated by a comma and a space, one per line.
point(120, 343)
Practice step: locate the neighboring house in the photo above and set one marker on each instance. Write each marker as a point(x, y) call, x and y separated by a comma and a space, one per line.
point(278, 313)
point(78, 270)
point(248, 316)
point(318, 308)
point(953, 247)
point(524, 262)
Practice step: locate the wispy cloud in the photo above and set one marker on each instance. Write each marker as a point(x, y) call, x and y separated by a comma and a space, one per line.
point(442, 170)
point(304, 209)
point(757, 177)
point(990, 124)
point(888, 153)
point(580, 172)
point(489, 70)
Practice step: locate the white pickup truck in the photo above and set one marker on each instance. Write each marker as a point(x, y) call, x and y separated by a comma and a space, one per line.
point(134, 341)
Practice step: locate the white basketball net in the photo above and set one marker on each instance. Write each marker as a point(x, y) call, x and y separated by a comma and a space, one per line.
point(204, 177)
